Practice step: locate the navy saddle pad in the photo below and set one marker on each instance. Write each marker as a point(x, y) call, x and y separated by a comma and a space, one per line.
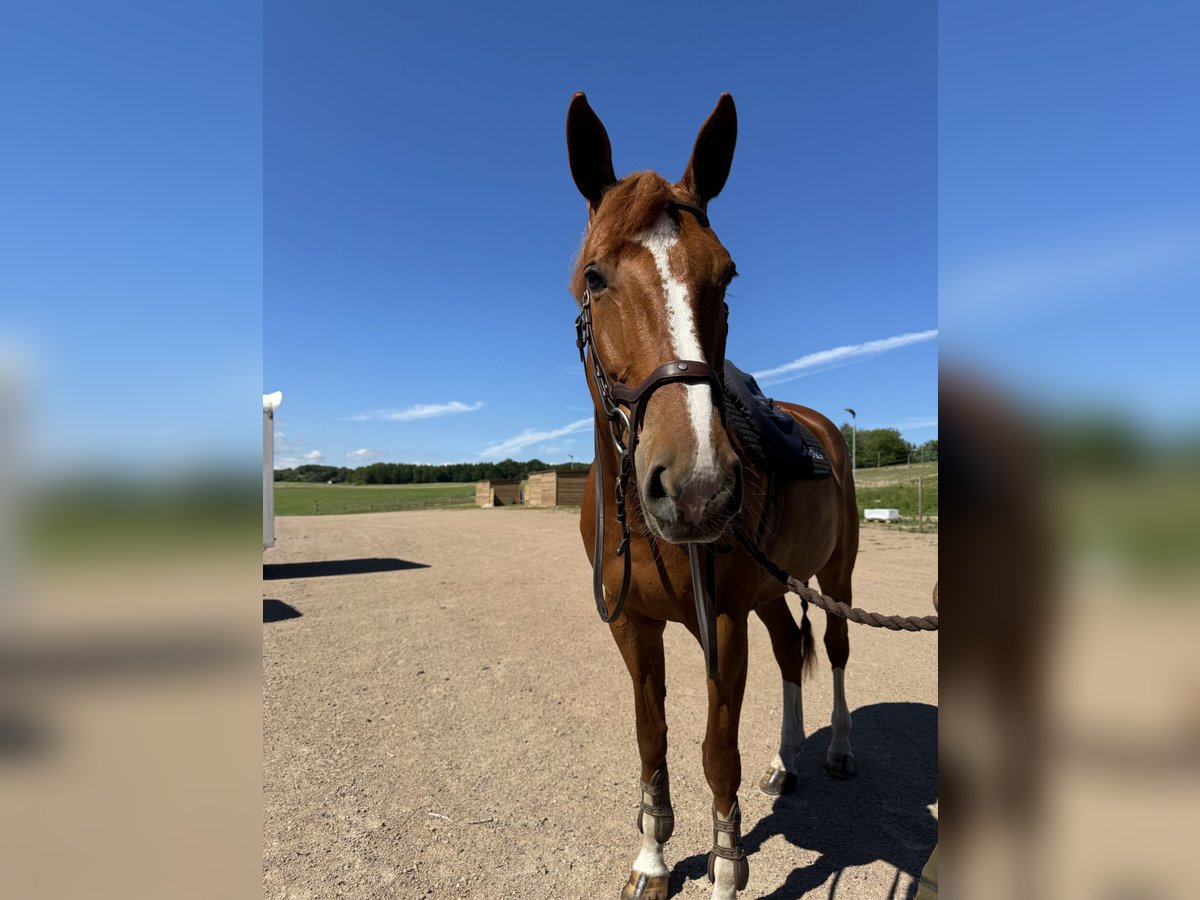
point(769, 436)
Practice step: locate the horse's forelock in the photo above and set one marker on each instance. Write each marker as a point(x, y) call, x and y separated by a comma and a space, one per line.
point(629, 208)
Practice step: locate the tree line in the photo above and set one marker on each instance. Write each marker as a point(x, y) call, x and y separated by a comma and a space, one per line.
point(876, 447)
point(886, 447)
point(418, 473)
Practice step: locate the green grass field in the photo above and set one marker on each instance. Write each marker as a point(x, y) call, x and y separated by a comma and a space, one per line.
point(294, 499)
point(895, 487)
point(896, 474)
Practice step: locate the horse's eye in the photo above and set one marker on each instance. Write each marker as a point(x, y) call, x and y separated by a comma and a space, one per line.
point(595, 281)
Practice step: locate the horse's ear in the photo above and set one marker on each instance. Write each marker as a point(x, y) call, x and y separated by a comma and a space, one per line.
point(712, 156)
point(589, 151)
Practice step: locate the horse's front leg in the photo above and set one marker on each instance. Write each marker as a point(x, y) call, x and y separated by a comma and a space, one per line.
point(641, 644)
point(728, 869)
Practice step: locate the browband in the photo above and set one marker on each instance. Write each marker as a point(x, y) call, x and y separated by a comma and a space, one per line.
point(701, 215)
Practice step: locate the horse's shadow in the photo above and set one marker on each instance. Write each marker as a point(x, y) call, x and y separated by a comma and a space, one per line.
point(323, 568)
point(882, 815)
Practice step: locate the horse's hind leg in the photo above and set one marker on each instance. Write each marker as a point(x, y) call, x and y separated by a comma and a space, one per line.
point(834, 579)
point(793, 648)
point(641, 644)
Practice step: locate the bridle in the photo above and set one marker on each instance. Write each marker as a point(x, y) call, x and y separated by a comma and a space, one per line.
point(613, 397)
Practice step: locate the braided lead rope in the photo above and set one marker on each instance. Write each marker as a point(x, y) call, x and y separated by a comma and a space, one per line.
point(853, 614)
point(843, 610)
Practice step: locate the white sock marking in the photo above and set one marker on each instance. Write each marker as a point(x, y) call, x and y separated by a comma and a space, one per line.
point(724, 870)
point(839, 744)
point(685, 341)
point(650, 860)
point(791, 736)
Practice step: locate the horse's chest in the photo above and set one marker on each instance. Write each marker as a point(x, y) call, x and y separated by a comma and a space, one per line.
point(662, 583)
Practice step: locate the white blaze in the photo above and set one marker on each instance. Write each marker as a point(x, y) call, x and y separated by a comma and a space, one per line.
point(685, 340)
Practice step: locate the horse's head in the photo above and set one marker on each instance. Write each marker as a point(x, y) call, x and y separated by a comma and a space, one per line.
point(654, 275)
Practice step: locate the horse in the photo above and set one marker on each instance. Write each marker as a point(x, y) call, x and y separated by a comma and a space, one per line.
point(650, 281)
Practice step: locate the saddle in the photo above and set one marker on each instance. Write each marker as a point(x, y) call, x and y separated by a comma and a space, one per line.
point(769, 436)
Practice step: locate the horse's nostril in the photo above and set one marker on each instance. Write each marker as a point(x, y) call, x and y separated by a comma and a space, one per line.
point(654, 488)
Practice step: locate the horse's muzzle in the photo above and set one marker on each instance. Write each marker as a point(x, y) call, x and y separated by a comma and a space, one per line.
point(693, 509)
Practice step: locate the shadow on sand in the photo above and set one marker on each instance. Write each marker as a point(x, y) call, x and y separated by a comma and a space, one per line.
point(276, 571)
point(881, 815)
point(277, 611)
point(23, 734)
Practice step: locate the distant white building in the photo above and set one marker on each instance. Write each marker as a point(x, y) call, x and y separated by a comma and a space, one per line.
point(881, 515)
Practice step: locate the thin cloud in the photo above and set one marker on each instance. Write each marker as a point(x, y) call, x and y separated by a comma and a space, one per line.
point(291, 461)
point(1062, 269)
point(529, 437)
point(907, 425)
point(292, 453)
point(287, 447)
point(918, 424)
point(363, 453)
point(563, 448)
point(840, 356)
point(419, 411)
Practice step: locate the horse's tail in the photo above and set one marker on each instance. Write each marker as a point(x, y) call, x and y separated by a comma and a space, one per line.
point(808, 654)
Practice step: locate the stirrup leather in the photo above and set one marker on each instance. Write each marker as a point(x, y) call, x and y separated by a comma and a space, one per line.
point(735, 854)
point(659, 790)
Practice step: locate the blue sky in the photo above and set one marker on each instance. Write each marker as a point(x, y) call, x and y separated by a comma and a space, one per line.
point(131, 231)
point(420, 218)
point(1069, 204)
point(1022, 178)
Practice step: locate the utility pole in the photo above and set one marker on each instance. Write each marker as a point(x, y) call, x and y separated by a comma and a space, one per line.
point(921, 502)
point(853, 442)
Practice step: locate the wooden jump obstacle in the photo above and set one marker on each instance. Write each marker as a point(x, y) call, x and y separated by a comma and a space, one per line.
point(555, 488)
point(497, 492)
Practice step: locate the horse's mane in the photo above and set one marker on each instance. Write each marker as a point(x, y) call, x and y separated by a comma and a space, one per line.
point(630, 207)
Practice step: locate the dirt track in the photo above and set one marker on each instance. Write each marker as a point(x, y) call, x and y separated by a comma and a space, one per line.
point(445, 717)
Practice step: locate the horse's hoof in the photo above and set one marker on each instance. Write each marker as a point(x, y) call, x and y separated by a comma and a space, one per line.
point(840, 766)
point(777, 782)
point(645, 887)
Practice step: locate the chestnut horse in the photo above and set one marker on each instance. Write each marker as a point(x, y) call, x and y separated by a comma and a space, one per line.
point(651, 276)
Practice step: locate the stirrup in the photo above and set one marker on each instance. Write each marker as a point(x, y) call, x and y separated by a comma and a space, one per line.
point(659, 790)
point(735, 854)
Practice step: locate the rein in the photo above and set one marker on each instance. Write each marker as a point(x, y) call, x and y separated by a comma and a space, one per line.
point(613, 397)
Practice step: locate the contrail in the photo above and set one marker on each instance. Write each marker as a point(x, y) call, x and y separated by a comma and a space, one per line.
point(420, 411)
point(528, 437)
point(840, 356)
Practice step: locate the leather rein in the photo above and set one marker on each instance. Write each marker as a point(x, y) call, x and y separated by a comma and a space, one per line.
point(615, 398)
